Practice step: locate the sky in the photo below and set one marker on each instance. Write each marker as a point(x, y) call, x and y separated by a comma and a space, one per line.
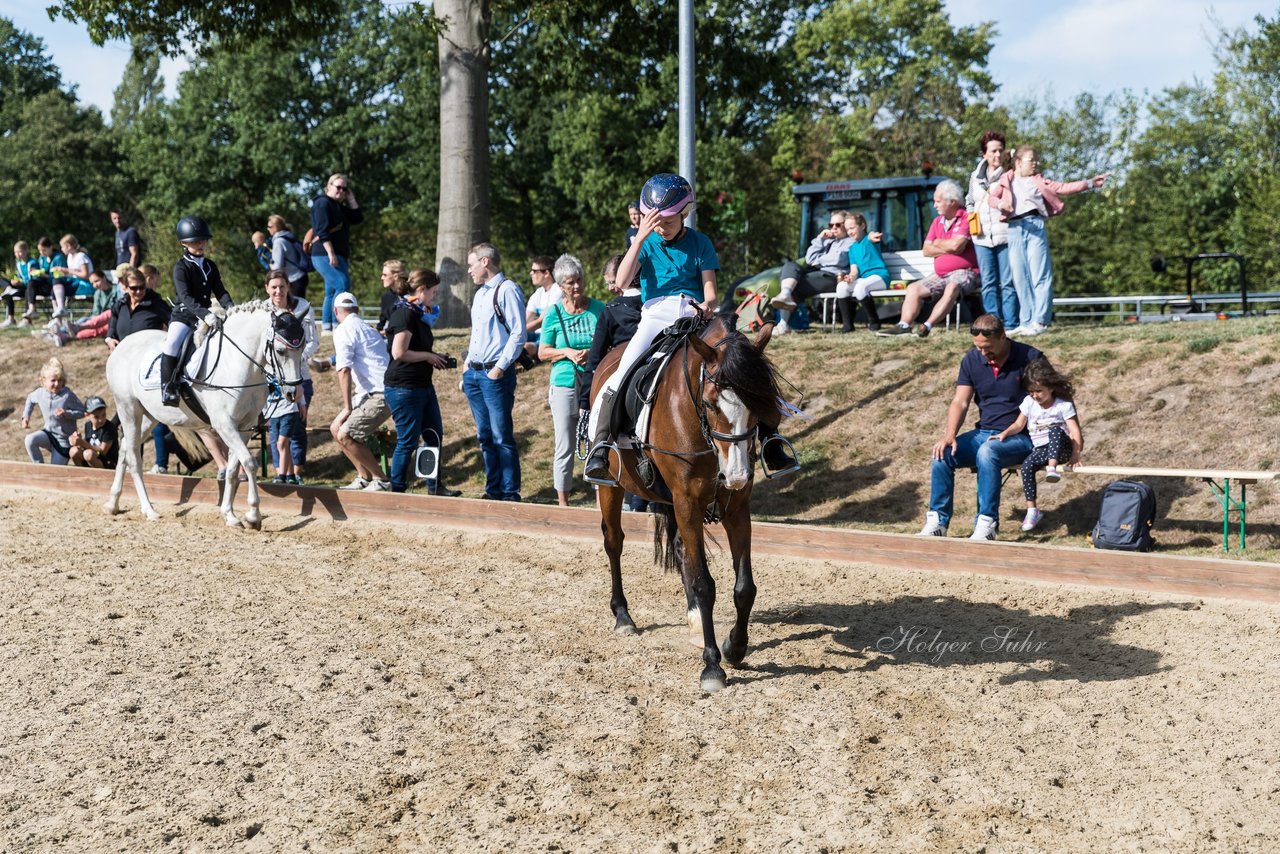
point(1061, 47)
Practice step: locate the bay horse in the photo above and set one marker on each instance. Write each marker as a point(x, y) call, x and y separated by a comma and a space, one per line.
point(257, 348)
point(702, 446)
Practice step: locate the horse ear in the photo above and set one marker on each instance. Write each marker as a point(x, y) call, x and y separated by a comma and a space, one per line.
point(763, 336)
point(703, 349)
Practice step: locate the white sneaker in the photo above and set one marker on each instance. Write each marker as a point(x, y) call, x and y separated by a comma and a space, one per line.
point(932, 526)
point(985, 529)
point(11, 291)
point(783, 302)
point(1032, 518)
point(1052, 475)
point(159, 470)
point(8, 321)
point(358, 483)
point(376, 485)
point(59, 313)
point(781, 328)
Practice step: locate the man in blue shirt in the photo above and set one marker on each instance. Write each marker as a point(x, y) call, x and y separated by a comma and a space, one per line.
point(128, 243)
point(489, 378)
point(991, 374)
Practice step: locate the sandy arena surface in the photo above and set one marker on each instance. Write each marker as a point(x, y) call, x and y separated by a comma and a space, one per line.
point(356, 687)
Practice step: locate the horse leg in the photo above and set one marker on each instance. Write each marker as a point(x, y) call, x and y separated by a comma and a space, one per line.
point(131, 424)
point(610, 498)
point(239, 456)
point(697, 578)
point(737, 526)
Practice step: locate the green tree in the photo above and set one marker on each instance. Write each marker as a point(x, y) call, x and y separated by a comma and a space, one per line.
point(25, 73)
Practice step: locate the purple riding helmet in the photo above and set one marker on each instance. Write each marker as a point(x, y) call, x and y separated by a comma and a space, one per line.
point(666, 193)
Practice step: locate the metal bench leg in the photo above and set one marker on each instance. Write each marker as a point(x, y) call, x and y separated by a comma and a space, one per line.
point(1231, 505)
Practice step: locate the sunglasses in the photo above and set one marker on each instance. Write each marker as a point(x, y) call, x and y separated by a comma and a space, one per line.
point(985, 333)
point(340, 187)
point(837, 224)
point(536, 270)
point(136, 288)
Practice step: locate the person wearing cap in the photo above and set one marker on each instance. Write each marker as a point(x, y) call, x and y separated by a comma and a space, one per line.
point(97, 445)
point(360, 359)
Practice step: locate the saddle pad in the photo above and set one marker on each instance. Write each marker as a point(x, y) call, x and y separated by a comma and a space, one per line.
point(149, 372)
point(640, 394)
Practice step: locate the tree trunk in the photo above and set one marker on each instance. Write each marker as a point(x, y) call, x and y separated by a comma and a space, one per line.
point(464, 149)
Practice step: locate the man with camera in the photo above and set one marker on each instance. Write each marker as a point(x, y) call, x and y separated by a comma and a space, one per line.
point(488, 378)
point(360, 357)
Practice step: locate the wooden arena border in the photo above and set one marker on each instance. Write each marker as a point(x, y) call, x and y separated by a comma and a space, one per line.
point(1186, 576)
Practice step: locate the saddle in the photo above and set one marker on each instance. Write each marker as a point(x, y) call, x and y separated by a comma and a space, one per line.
point(193, 360)
point(639, 386)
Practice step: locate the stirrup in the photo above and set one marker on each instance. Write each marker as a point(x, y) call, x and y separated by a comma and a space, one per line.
point(794, 467)
point(599, 481)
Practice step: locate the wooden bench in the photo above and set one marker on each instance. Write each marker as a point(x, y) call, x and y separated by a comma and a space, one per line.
point(904, 268)
point(1219, 481)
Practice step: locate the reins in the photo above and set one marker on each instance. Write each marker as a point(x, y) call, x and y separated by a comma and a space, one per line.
point(271, 379)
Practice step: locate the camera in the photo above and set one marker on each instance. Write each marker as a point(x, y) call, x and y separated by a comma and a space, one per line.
point(450, 362)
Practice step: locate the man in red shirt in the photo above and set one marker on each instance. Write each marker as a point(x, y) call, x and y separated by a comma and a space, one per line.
point(955, 264)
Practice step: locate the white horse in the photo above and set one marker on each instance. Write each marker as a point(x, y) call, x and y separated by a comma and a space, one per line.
point(256, 348)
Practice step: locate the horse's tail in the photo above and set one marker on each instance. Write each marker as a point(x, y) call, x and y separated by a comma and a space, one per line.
point(191, 444)
point(666, 537)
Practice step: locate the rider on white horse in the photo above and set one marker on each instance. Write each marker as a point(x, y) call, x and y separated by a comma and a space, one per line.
point(197, 281)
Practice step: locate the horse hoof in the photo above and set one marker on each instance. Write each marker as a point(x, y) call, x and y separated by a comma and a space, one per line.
point(622, 628)
point(153, 516)
point(713, 681)
point(233, 522)
point(251, 524)
point(732, 657)
point(110, 509)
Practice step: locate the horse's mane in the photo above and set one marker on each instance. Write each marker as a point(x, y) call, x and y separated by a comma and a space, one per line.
point(250, 306)
point(749, 373)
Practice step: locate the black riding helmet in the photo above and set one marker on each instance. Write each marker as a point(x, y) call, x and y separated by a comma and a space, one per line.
point(192, 229)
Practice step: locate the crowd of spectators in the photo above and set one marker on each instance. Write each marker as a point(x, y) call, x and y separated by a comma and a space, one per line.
point(387, 372)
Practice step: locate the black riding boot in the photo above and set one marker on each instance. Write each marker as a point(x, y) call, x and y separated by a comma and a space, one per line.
point(873, 314)
point(778, 458)
point(846, 307)
point(596, 469)
point(169, 377)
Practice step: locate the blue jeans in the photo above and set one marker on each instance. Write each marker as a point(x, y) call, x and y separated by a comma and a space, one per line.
point(990, 458)
point(491, 404)
point(336, 280)
point(415, 411)
point(1032, 270)
point(162, 450)
point(999, 297)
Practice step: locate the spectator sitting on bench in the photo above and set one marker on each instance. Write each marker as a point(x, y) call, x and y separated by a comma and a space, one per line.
point(867, 273)
point(955, 264)
point(23, 264)
point(72, 279)
point(991, 374)
point(826, 260)
point(97, 444)
point(41, 276)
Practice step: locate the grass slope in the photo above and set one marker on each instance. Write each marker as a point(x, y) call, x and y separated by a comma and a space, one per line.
point(1198, 394)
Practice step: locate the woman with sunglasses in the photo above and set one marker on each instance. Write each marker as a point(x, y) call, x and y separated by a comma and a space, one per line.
point(140, 308)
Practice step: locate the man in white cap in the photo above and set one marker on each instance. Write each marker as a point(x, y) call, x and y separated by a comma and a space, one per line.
point(360, 357)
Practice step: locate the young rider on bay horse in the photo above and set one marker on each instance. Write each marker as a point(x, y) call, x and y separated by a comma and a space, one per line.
point(197, 281)
point(677, 267)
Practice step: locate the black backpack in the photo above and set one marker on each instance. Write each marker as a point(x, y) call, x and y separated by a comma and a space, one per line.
point(1124, 521)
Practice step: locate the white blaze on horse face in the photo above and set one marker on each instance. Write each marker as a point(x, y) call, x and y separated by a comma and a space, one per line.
point(735, 462)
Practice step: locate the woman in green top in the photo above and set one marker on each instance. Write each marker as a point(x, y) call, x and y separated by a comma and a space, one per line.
point(567, 330)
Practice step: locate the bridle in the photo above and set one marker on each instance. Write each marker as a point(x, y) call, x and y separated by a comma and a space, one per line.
point(272, 377)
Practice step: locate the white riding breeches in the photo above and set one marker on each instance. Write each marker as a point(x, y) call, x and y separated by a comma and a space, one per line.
point(178, 333)
point(860, 288)
point(655, 315)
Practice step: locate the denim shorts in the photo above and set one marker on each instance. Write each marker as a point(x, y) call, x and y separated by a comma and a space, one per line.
point(282, 425)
